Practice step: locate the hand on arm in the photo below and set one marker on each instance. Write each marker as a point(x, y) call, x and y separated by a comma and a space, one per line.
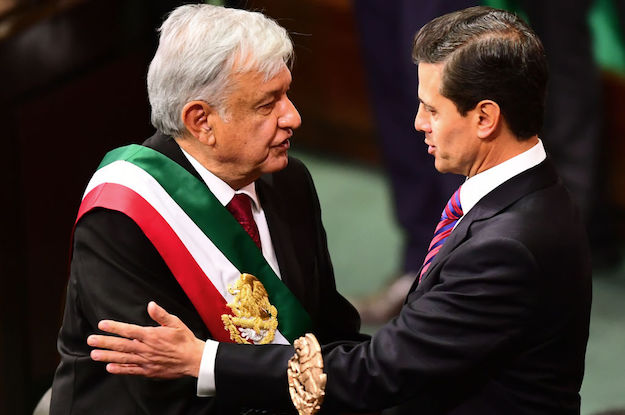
point(167, 351)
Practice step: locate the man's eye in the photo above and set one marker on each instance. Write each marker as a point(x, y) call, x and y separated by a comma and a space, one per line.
point(267, 107)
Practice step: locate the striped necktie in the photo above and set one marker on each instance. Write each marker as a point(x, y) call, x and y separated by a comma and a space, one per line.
point(449, 217)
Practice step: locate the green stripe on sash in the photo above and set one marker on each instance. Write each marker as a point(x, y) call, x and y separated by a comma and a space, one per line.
point(220, 227)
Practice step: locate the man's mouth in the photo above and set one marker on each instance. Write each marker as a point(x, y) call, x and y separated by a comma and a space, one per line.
point(285, 145)
point(431, 147)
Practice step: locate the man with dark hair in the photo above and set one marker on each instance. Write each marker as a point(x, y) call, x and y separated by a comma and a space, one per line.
point(387, 30)
point(497, 320)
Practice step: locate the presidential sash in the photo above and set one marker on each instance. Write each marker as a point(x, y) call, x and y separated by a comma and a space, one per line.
point(202, 244)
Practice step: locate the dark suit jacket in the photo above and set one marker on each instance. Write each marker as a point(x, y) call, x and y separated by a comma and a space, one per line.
point(498, 325)
point(115, 271)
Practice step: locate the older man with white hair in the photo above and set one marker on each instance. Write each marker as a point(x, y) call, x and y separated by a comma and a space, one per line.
point(190, 215)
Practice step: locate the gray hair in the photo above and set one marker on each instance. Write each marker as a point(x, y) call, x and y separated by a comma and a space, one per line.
point(201, 46)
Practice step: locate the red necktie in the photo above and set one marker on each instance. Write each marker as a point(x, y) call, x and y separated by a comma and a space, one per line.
point(241, 208)
point(449, 217)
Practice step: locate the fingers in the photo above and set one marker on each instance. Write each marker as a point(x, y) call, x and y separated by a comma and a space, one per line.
point(131, 331)
point(170, 350)
point(161, 316)
point(126, 369)
point(116, 343)
point(139, 370)
point(129, 369)
point(117, 357)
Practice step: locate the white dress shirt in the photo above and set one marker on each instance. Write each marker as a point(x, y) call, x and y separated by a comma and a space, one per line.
point(224, 193)
point(478, 186)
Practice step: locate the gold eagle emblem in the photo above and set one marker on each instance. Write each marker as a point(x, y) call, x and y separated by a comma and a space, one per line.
point(254, 319)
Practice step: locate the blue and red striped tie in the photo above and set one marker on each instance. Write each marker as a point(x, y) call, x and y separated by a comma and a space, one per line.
point(449, 217)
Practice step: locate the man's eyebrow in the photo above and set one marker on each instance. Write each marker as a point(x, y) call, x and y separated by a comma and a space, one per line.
point(265, 96)
point(273, 93)
point(425, 104)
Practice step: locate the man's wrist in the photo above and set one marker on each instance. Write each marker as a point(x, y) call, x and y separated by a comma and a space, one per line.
point(196, 360)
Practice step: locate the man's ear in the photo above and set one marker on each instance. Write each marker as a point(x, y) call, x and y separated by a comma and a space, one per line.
point(198, 117)
point(489, 119)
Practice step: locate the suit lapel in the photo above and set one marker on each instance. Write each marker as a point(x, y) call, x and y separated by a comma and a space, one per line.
point(501, 197)
point(274, 206)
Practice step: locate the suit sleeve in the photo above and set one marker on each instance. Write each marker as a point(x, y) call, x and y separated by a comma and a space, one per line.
point(115, 271)
point(456, 332)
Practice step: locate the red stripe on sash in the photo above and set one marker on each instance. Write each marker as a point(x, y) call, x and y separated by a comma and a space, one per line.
point(208, 302)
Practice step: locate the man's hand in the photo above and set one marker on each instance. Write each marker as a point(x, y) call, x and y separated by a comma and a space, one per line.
point(168, 351)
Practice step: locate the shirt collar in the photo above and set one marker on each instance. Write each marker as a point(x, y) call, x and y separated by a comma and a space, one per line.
point(478, 186)
point(222, 191)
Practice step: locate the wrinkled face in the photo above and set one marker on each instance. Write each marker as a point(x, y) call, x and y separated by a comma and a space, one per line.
point(253, 136)
point(451, 138)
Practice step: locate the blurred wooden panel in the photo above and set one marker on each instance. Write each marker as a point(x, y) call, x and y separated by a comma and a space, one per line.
point(329, 87)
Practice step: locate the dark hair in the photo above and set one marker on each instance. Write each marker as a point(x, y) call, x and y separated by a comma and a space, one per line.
point(488, 54)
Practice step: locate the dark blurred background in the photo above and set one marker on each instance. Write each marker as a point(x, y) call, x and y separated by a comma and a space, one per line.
point(72, 86)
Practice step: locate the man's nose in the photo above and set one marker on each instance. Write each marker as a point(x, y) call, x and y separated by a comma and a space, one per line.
point(420, 123)
point(290, 117)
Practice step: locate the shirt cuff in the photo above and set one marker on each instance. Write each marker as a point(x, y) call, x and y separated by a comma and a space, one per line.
point(206, 377)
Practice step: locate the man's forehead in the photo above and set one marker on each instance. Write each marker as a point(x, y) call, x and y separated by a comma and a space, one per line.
point(429, 78)
point(255, 83)
point(279, 73)
point(430, 71)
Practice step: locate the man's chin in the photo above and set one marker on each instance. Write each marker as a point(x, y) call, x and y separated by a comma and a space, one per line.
point(276, 163)
point(440, 166)
point(445, 168)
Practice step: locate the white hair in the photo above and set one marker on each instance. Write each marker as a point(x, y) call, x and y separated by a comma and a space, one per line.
point(200, 47)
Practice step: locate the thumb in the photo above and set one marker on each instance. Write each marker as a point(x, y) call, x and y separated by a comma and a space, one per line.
point(161, 316)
